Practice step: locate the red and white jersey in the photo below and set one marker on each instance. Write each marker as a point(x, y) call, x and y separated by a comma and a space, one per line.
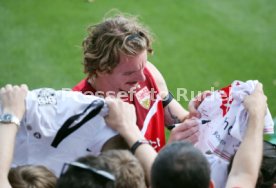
point(228, 122)
point(60, 126)
point(228, 119)
point(148, 105)
point(150, 111)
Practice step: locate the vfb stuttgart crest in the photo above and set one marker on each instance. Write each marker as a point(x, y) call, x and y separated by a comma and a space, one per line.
point(143, 96)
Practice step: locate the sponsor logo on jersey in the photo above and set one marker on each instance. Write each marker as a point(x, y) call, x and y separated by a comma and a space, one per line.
point(46, 97)
point(143, 96)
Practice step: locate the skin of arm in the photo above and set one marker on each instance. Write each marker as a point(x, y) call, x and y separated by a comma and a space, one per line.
point(188, 129)
point(174, 112)
point(122, 118)
point(12, 101)
point(247, 161)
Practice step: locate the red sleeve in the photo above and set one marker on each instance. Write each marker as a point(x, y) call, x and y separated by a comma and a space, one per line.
point(83, 86)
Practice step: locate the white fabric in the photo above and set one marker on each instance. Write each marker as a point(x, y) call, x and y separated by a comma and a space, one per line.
point(46, 111)
point(222, 136)
point(219, 171)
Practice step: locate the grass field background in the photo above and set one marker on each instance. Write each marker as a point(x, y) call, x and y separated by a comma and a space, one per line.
point(198, 43)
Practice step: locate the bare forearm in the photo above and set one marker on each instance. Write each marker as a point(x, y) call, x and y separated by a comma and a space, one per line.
point(175, 113)
point(7, 142)
point(250, 152)
point(13, 103)
point(144, 153)
point(122, 118)
point(247, 160)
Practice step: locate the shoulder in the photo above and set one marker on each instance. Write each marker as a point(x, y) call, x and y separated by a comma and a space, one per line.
point(159, 79)
point(83, 86)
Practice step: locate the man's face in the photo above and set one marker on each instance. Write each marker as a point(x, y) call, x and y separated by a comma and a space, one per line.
point(126, 74)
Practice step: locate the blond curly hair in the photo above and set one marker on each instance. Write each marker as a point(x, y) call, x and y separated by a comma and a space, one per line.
point(108, 39)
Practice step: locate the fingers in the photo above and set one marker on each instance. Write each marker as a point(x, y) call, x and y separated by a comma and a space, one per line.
point(258, 92)
point(121, 116)
point(16, 88)
point(183, 135)
point(9, 87)
point(110, 102)
point(24, 87)
point(259, 87)
point(13, 99)
point(194, 103)
point(188, 130)
point(187, 124)
point(118, 104)
point(190, 135)
point(256, 103)
point(193, 138)
point(203, 95)
point(2, 90)
point(118, 107)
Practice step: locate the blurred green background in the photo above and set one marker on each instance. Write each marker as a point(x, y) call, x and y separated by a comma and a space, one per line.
point(199, 44)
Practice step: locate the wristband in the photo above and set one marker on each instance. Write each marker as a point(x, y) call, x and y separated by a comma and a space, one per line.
point(137, 144)
point(167, 99)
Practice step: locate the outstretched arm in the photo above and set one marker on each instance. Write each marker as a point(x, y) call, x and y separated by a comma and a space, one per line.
point(247, 161)
point(13, 102)
point(174, 112)
point(122, 118)
point(188, 128)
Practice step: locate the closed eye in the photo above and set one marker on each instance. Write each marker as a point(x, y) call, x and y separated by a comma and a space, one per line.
point(128, 73)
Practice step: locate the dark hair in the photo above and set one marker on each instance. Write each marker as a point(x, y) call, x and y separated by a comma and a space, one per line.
point(76, 177)
point(180, 164)
point(267, 174)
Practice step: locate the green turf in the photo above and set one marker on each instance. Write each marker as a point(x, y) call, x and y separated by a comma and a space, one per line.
point(198, 43)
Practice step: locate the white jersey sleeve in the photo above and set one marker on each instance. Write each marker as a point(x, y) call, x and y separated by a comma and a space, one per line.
point(60, 126)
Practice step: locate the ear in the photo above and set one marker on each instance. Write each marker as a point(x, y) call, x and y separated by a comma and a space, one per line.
point(211, 185)
point(98, 73)
point(92, 74)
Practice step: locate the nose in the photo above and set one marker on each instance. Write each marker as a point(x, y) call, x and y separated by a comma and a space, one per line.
point(141, 76)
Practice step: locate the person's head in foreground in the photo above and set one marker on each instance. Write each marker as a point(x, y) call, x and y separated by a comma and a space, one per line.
point(31, 176)
point(267, 175)
point(91, 171)
point(179, 165)
point(83, 174)
point(126, 168)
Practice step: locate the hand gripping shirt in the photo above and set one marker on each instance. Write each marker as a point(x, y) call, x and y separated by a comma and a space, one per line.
point(60, 126)
point(223, 134)
point(148, 104)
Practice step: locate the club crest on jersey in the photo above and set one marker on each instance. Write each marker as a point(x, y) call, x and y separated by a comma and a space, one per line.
point(46, 97)
point(143, 96)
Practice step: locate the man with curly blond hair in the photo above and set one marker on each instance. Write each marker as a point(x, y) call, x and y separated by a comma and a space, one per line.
point(115, 61)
